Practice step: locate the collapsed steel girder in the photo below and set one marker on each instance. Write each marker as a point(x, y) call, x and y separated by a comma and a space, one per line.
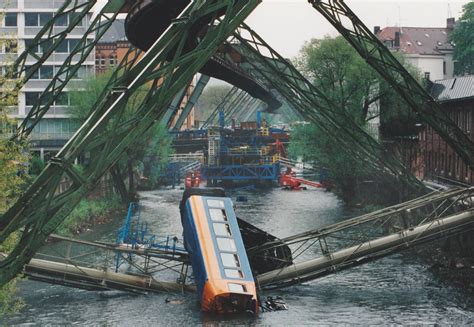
point(378, 234)
point(381, 59)
point(106, 134)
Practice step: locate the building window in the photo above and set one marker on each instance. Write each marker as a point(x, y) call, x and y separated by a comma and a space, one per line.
point(427, 75)
point(31, 19)
point(63, 47)
point(34, 19)
point(46, 72)
point(73, 43)
point(80, 73)
point(112, 60)
point(62, 20)
point(11, 19)
point(45, 18)
point(73, 16)
point(102, 62)
point(444, 68)
point(31, 98)
point(29, 43)
point(62, 100)
point(35, 75)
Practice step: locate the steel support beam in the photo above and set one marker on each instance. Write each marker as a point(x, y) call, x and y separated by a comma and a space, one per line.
point(368, 251)
point(316, 107)
point(240, 106)
point(174, 106)
point(107, 133)
point(201, 84)
point(381, 59)
point(68, 69)
point(49, 38)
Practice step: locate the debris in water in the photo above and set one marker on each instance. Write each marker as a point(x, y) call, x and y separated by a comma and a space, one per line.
point(273, 304)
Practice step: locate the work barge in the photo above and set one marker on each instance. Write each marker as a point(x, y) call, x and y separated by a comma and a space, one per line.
point(191, 37)
point(250, 153)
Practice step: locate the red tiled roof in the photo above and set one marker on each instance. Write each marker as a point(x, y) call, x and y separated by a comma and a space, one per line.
point(419, 40)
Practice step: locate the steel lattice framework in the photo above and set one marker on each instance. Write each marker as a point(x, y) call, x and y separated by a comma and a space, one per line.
point(71, 64)
point(365, 238)
point(200, 85)
point(318, 108)
point(166, 69)
point(163, 70)
point(49, 39)
point(381, 59)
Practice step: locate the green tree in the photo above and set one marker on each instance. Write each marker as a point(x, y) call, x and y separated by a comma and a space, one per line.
point(463, 39)
point(14, 158)
point(211, 97)
point(155, 141)
point(352, 88)
point(156, 154)
point(36, 165)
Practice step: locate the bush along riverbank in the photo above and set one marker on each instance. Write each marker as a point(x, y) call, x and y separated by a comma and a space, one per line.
point(91, 212)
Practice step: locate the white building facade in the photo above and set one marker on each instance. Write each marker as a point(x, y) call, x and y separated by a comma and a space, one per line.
point(22, 20)
point(426, 48)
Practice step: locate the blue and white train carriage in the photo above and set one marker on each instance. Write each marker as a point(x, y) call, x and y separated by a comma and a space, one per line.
point(220, 265)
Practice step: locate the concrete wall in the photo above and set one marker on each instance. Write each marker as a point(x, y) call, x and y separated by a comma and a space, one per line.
point(433, 65)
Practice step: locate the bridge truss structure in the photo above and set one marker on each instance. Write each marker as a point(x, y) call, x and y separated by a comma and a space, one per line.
point(164, 70)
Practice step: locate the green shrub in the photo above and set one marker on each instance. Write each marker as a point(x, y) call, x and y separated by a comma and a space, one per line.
point(87, 211)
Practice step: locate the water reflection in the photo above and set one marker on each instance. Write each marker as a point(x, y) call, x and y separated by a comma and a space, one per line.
point(394, 290)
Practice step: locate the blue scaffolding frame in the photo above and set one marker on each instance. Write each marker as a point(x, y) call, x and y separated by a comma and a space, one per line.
point(241, 172)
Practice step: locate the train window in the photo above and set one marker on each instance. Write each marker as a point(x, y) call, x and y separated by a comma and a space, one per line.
point(222, 229)
point(236, 288)
point(215, 203)
point(233, 273)
point(226, 244)
point(218, 214)
point(230, 260)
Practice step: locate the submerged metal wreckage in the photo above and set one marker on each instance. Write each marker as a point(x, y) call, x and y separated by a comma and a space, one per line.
point(197, 36)
point(229, 261)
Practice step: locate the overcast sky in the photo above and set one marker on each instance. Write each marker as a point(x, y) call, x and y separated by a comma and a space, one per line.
point(287, 24)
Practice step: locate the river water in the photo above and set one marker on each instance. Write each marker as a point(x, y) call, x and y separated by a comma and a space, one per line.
point(399, 289)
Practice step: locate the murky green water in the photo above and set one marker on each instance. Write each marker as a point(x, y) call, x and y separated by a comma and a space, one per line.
point(396, 290)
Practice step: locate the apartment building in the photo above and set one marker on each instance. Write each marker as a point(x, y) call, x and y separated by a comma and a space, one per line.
point(111, 50)
point(21, 22)
point(456, 97)
point(426, 48)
